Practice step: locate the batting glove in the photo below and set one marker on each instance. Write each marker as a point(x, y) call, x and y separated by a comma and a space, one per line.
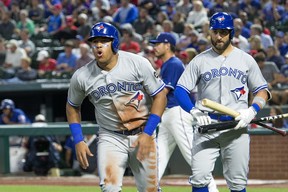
point(245, 117)
point(200, 117)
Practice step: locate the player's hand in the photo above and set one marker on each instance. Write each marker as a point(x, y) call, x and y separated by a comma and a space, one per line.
point(145, 144)
point(245, 117)
point(82, 151)
point(200, 117)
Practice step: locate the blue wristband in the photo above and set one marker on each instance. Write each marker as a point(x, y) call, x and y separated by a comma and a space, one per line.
point(76, 131)
point(151, 124)
point(256, 107)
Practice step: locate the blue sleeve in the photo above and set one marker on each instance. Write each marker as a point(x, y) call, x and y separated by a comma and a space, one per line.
point(183, 98)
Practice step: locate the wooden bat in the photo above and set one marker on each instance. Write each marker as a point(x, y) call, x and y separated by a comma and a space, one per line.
point(229, 124)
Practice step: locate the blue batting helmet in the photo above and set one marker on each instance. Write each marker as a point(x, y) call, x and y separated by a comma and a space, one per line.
point(7, 104)
point(103, 29)
point(222, 20)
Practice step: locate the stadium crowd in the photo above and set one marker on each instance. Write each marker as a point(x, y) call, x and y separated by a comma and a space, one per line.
point(42, 39)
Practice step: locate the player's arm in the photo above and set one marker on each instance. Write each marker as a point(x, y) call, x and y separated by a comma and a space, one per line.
point(74, 118)
point(145, 140)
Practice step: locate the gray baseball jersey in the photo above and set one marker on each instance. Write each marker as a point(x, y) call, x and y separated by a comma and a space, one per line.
point(226, 80)
point(121, 96)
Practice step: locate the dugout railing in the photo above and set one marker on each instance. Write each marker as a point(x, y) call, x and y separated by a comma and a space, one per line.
point(60, 129)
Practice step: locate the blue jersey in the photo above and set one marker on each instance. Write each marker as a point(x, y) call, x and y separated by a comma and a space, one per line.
point(18, 116)
point(171, 71)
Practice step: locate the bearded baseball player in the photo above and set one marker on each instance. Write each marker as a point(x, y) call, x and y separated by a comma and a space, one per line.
point(224, 74)
point(129, 100)
point(176, 125)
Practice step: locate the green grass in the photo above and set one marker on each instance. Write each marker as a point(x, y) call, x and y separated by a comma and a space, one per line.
point(28, 188)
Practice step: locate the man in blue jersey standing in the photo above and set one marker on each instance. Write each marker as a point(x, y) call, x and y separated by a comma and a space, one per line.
point(176, 124)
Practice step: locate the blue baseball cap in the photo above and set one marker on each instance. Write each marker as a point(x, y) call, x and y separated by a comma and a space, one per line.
point(164, 38)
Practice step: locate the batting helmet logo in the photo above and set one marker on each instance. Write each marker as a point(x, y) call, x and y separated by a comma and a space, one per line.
point(99, 27)
point(220, 19)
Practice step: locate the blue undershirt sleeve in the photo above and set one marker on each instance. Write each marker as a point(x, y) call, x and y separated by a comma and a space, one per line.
point(183, 99)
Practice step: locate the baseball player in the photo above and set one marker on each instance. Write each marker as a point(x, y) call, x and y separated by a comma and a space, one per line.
point(129, 100)
point(176, 125)
point(224, 74)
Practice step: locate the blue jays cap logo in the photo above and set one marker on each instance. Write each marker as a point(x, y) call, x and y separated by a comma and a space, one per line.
point(238, 92)
point(220, 19)
point(99, 27)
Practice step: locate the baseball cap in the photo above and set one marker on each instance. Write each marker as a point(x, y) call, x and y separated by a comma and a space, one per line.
point(42, 54)
point(12, 43)
point(164, 37)
point(40, 118)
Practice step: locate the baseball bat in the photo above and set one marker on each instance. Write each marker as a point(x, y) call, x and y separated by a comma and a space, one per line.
point(231, 124)
point(228, 111)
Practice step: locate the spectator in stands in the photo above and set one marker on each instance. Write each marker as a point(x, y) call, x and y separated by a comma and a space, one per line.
point(255, 44)
point(198, 15)
point(280, 43)
point(218, 6)
point(280, 122)
point(15, 11)
point(10, 115)
point(2, 52)
point(56, 20)
point(144, 23)
point(151, 6)
point(25, 23)
point(184, 6)
point(168, 27)
point(246, 24)
point(13, 57)
point(46, 64)
point(266, 40)
point(26, 73)
point(194, 38)
point(7, 25)
point(242, 43)
point(127, 43)
point(43, 151)
point(36, 12)
point(98, 6)
point(127, 27)
point(126, 13)
point(178, 23)
point(273, 55)
point(170, 9)
point(273, 12)
point(26, 43)
point(202, 44)
point(184, 39)
point(269, 70)
point(85, 55)
point(66, 61)
point(84, 27)
point(161, 17)
point(244, 31)
point(66, 31)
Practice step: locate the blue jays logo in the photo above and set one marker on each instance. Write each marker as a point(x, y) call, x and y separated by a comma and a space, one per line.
point(238, 92)
point(220, 19)
point(135, 100)
point(99, 27)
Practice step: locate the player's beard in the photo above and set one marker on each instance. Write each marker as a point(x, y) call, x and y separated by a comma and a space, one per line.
point(220, 47)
